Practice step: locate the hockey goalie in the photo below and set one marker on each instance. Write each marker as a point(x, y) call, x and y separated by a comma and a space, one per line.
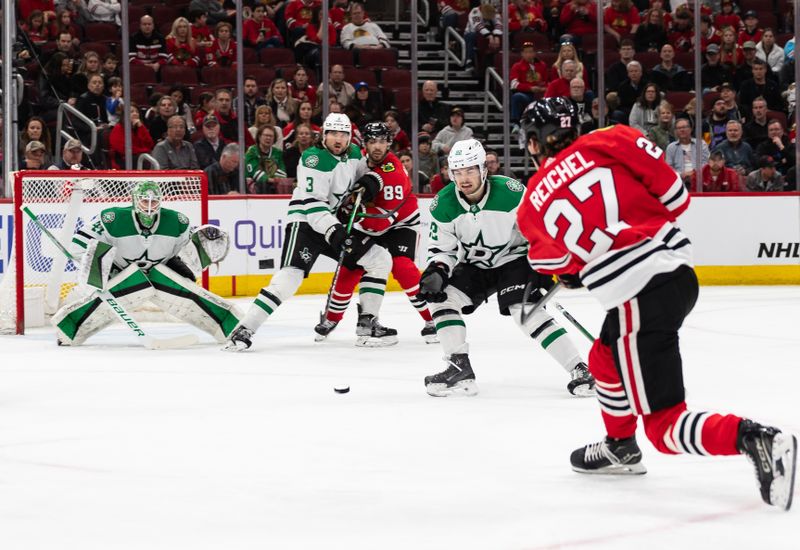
point(145, 253)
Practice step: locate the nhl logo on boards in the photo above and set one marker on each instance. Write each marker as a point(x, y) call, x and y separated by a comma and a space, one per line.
point(514, 185)
point(108, 216)
point(312, 161)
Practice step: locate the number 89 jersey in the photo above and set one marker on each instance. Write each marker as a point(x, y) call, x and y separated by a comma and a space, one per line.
point(396, 193)
point(605, 207)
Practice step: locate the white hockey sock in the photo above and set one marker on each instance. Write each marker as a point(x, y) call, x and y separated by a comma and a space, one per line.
point(377, 264)
point(283, 286)
point(552, 336)
point(450, 325)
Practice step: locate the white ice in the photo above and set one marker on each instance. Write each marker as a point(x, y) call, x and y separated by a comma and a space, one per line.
point(113, 447)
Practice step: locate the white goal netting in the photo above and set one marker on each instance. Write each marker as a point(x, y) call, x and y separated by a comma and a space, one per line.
point(64, 201)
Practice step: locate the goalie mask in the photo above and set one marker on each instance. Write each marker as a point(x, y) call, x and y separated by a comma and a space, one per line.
point(146, 202)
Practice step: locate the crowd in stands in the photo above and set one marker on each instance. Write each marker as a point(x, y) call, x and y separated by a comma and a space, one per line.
point(183, 108)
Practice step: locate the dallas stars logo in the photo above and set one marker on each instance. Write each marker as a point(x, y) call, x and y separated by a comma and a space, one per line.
point(478, 252)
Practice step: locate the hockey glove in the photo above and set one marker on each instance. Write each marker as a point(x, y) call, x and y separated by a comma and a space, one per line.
point(570, 280)
point(369, 185)
point(354, 248)
point(336, 236)
point(433, 282)
point(179, 266)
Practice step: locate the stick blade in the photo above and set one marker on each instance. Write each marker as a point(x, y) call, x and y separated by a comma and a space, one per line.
point(176, 342)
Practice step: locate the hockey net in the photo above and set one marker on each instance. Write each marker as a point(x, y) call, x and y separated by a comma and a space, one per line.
point(64, 201)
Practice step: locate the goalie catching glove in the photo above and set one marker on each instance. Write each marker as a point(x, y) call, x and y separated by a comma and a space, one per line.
point(208, 245)
point(433, 282)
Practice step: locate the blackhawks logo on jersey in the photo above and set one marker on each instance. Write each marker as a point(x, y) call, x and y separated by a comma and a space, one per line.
point(514, 185)
point(388, 167)
point(108, 217)
point(312, 161)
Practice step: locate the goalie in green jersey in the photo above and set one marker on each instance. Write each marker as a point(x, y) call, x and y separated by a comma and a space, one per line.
point(145, 253)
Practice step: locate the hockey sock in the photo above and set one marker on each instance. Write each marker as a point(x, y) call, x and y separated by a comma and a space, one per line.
point(407, 274)
point(552, 337)
point(283, 286)
point(377, 263)
point(342, 292)
point(676, 430)
point(617, 415)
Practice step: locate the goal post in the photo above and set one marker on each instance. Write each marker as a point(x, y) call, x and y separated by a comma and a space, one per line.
point(64, 201)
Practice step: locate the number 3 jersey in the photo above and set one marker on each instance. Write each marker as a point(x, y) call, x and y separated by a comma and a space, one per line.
point(605, 207)
point(484, 234)
point(395, 195)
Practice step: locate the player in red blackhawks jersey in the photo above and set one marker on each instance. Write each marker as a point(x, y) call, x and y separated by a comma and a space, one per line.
point(601, 212)
point(392, 220)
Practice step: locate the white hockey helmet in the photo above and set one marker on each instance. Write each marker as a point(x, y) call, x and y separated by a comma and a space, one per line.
point(337, 122)
point(465, 153)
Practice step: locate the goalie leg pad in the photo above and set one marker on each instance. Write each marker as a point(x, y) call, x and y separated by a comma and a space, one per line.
point(193, 304)
point(77, 321)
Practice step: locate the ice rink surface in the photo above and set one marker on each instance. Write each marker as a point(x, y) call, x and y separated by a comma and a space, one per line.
point(111, 447)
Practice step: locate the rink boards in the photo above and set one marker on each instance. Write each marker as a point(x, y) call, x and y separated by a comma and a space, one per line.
point(746, 239)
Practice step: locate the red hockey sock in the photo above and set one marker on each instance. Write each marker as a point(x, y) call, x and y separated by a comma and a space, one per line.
point(676, 430)
point(618, 418)
point(406, 273)
point(342, 293)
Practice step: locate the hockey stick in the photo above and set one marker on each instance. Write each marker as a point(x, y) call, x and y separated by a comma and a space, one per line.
point(526, 299)
point(147, 341)
point(349, 228)
point(574, 321)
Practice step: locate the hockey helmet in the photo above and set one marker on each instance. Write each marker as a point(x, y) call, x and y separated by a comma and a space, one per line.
point(465, 153)
point(337, 122)
point(376, 130)
point(146, 197)
point(553, 120)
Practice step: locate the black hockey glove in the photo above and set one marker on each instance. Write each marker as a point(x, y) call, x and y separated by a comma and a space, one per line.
point(570, 280)
point(179, 266)
point(369, 185)
point(355, 246)
point(433, 282)
point(336, 236)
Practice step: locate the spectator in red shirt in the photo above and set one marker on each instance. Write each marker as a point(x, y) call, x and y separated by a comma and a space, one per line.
point(181, 47)
point(26, 7)
point(717, 178)
point(730, 53)
point(681, 35)
point(528, 81)
point(201, 32)
point(400, 139)
point(726, 17)
point(141, 140)
point(525, 16)
point(36, 29)
point(308, 47)
point(450, 11)
point(440, 180)
point(260, 32)
point(560, 86)
point(223, 50)
point(709, 34)
point(300, 88)
point(579, 17)
point(751, 31)
point(298, 15)
point(621, 19)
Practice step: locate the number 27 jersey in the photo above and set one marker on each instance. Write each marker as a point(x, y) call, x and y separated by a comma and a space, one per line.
point(605, 207)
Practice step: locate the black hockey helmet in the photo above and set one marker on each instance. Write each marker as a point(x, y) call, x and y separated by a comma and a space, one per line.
point(376, 130)
point(554, 121)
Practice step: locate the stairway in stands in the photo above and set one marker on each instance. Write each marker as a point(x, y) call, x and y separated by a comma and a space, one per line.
point(465, 89)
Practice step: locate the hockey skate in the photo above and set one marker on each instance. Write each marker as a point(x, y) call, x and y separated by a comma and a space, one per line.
point(609, 457)
point(582, 383)
point(428, 333)
point(371, 334)
point(774, 457)
point(458, 378)
point(323, 329)
point(239, 340)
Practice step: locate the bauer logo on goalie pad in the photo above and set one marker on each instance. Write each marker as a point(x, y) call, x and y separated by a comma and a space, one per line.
point(514, 185)
point(312, 161)
point(108, 216)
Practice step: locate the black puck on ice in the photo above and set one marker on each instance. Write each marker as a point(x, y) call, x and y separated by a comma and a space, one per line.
point(341, 389)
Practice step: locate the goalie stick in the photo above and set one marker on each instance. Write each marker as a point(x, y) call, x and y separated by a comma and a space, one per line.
point(146, 340)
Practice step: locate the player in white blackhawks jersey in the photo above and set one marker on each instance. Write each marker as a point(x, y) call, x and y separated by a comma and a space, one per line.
point(324, 175)
point(476, 250)
point(133, 252)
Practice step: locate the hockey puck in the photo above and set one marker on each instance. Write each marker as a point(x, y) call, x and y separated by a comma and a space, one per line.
point(341, 389)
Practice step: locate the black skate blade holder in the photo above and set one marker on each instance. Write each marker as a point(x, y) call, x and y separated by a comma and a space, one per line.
point(527, 309)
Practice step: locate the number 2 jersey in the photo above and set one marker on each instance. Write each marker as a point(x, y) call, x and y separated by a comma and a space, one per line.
point(605, 207)
point(395, 194)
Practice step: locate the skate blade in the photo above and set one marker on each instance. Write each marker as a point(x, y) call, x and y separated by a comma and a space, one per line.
point(431, 339)
point(784, 462)
point(234, 346)
point(615, 470)
point(371, 342)
point(320, 337)
point(584, 390)
point(466, 388)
